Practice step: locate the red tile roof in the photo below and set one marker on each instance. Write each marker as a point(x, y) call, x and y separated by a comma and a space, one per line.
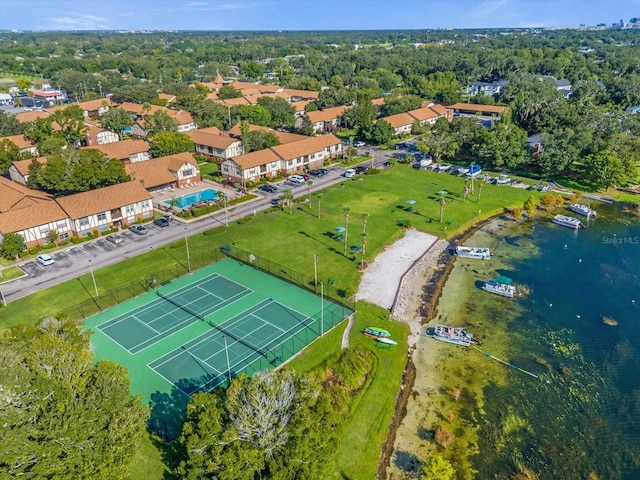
point(23, 165)
point(211, 140)
point(254, 159)
point(306, 146)
point(19, 141)
point(326, 115)
point(472, 107)
point(24, 117)
point(22, 208)
point(122, 150)
point(92, 202)
point(157, 171)
point(399, 120)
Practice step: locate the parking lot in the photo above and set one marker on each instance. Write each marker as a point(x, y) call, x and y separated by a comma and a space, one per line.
point(79, 255)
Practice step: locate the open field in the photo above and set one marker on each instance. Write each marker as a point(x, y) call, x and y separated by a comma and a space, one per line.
point(292, 240)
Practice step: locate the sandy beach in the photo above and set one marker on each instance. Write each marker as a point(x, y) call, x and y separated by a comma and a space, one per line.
point(396, 280)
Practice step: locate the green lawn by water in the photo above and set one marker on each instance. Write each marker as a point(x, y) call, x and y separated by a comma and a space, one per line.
point(292, 240)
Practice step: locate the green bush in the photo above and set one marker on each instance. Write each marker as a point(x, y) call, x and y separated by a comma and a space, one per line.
point(271, 210)
point(75, 240)
point(64, 242)
point(34, 250)
point(48, 246)
point(246, 219)
point(373, 171)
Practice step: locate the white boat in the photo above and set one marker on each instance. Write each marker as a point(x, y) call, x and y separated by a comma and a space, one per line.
point(386, 341)
point(585, 210)
point(475, 252)
point(504, 289)
point(457, 335)
point(565, 221)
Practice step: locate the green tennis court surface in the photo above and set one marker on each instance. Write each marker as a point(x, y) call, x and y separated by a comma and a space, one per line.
point(202, 329)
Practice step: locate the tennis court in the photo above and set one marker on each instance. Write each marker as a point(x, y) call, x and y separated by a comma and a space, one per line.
point(199, 331)
point(150, 323)
point(232, 346)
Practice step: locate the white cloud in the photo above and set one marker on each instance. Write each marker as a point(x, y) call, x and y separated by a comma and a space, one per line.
point(196, 4)
point(78, 22)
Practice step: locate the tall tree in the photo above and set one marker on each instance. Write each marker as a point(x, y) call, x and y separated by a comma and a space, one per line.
point(9, 125)
point(283, 114)
point(9, 153)
point(116, 119)
point(258, 140)
point(170, 143)
point(67, 417)
point(160, 121)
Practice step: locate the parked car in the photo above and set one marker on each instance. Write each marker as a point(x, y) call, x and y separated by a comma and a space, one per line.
point(138, 229)
point(319, 172)
point(359, 144)
point(296, 179)
point(349, 172)
point(115, 239)
point(360, 169)
point(44, 259)
point(305, 176)
point(161, 222)
point(268, 188)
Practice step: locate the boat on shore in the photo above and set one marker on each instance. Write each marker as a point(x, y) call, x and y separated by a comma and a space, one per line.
point(386, 341)
point(565, 221)
point(456, 335)
point(585, 210)
point(500, 286)
point(376, 332)
point(473, 252)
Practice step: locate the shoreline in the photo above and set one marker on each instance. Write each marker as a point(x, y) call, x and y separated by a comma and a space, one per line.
point(417, 298)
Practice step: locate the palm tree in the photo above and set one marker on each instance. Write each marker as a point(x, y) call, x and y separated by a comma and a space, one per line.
point(287, 199)
point(346, 211)
point(364, 222)
point(480, 185)
point(471, 170)
point(465, 192)
point(319, 198)
point(309, 183)
point(364, 244)
point(442, 204)
point(224, 198)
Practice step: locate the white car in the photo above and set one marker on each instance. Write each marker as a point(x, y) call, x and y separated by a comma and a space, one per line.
point(296, 179)
point(349, 172)
point(44, 259)
point(359, 144)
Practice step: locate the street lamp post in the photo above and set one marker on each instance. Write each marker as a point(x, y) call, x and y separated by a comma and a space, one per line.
point(186, 242)
point(315, 272)
point(226, 351)
point(321, 309)
point(93, 277)
point(4, 302)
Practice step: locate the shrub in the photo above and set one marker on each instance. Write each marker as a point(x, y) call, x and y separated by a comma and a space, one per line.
point(246, 219)
point(48, 246)
point(271, 210)
point(373, 171)
point(75, 240)
point(547, 201)
point(64, 242)
point(34, 250)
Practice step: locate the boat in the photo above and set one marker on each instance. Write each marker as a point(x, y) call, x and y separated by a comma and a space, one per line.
point(457, 335)
point(376, 332)
point(386, 341)
point(585, 210)
point(565, 221)
point(500, 286)
point(475, 252)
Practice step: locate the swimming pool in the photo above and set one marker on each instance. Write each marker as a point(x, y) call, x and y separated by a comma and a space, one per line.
point(187, 200)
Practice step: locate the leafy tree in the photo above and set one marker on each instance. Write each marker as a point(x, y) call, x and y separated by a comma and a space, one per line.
point(160, 121)
point(399, 104)
point(12, 244)
point(437, 468)
point(283, 114)
point(116, 119)
point(286, 199)
point(23, 84)
point(254, 114)
point(444, 437)
point(71, 122)
point(52, 145)
point(306, 127)
point(137, 92)
point(9, 153)
point(252, 70)
point(170, 143)
point(508, 142)
point(607, 169)
point(39, 129)
point(378, 133)
point(439, 141)
point(68, 417)
point(33, 181)
point(440, 87)
point(192, 97)
point(258, 140)
point(530, 206)
point(210, 114)
point(9, 125)
point(227, 91)
point(364, 113)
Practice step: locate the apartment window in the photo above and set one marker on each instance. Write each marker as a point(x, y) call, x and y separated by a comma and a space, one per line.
point(188, 173)
point(102, 217)
point(44, 230)
point(144, 204)
point(61, 225)
point(129, 210)
point(83, 222)
point(64, 236)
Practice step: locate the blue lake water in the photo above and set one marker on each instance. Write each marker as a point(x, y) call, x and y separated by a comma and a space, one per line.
point(188, 200)
point(581, 419)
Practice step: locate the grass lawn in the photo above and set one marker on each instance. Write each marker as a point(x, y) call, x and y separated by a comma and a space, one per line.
point(292, 241)
point(10, 273)
point(208, 169)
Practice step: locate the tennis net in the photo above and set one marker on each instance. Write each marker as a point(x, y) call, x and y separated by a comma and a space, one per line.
point(180, 306)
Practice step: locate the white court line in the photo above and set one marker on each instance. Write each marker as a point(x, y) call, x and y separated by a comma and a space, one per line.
point(268, 323)
point(145, 324)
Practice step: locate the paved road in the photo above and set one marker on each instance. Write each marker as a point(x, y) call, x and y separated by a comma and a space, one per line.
point(80, 259)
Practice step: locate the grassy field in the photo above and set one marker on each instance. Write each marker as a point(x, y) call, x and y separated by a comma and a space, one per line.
point(292, 240)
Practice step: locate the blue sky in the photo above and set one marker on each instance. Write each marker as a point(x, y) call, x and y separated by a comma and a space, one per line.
point(307, 14)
